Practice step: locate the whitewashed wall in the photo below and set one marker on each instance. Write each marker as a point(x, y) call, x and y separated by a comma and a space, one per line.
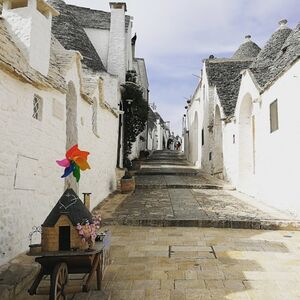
point(32, 33)
point(101, 179)
point(30, 182)
point(276, 158)
point(277, 154)
point(100, 41)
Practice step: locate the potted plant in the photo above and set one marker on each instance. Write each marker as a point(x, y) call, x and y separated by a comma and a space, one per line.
point(127, 183)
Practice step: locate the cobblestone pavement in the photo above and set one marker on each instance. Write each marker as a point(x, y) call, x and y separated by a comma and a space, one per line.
point(180, 263)
point(171, 192)
point(203, 263)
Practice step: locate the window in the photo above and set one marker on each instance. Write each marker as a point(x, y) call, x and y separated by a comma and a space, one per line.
point(210, 155)
point(37, 107)
point(94, 117)
point(202, 136)
point(233, 139)
point(274, 116)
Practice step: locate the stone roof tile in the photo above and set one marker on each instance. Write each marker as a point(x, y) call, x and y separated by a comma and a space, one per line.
point(247, 49)
point(225, 75)
point(91, 18)
point(287, 54)
point(73, 37)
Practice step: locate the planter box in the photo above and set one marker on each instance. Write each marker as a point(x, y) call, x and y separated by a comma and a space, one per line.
point(127, 185)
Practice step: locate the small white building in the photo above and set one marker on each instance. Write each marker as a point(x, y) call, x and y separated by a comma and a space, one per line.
point(242, 122)
point(158, 131)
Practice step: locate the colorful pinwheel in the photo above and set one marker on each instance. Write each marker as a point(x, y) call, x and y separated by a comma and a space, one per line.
point(75, 161)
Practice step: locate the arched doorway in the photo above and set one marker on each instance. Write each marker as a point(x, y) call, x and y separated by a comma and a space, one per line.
point(195, 138)
point(71, 129)
point(246, 146)
point(218, 144)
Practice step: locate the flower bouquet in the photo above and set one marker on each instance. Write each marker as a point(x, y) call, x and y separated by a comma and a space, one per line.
point(88, 231)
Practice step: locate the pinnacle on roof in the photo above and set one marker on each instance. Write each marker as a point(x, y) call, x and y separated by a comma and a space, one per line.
point(273, 46)
point(247, 49)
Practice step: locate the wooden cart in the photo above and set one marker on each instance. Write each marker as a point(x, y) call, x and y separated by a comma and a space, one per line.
point(62, 263)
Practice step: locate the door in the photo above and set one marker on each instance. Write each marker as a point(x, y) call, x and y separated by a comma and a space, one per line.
point(64, 238)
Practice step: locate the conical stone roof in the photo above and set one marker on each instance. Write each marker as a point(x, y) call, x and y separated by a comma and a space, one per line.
point(288, 53)
point(273, 46)
point(72, 36)
point(247, 49)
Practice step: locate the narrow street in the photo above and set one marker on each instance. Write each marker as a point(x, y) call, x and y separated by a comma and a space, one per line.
point(165, 251)
point(171, 192)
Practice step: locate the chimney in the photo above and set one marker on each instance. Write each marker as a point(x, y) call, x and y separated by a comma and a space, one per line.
point(283, 24)
point(133, 41)
point(87, 200)
point(116, 64)
point(29, 23)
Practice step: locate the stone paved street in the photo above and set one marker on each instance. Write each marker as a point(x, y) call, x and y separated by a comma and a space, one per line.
point(199, 263)
point(171, 192)
point(177, 258)
point(202, 263)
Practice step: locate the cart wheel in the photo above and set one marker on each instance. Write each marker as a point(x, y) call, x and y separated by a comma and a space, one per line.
point(59, 280)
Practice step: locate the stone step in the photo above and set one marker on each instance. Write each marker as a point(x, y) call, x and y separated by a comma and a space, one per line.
point(15, 277)
point(208, 223)
point(185, 186)
point(166, 172)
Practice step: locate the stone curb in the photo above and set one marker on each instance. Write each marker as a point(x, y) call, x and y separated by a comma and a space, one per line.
point(16, 278)
point(141, 173)
point(233, 224)
point(184, 186)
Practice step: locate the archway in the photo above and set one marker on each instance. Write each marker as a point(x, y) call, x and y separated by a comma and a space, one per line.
point(218, 144)
point(195, 139)
point(71, 128)
point(246, 146)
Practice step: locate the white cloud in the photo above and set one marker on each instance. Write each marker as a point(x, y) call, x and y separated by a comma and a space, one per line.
point(175, 35)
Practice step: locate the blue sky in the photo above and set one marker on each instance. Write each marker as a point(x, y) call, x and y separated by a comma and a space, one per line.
point(175, 35)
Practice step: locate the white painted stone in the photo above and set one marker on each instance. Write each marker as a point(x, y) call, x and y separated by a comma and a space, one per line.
point(256, 161)
point(116, 64)
point(38, 185)
point(100, 41)
point(31, 31)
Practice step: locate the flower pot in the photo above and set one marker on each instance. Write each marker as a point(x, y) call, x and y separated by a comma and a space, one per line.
point(127, 185)
point(35, 249)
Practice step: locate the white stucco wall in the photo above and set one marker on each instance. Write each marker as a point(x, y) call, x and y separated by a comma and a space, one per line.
point(277, 153)
point(100, 180)
point(276, 160)
point(30, 182)
point(100, 41)
point(116, 62)
point(32, 33)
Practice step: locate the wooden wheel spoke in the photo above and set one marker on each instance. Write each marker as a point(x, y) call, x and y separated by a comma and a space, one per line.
point(59, 279)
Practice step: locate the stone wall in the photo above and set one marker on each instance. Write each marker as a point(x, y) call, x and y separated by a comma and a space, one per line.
point(30, 183)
